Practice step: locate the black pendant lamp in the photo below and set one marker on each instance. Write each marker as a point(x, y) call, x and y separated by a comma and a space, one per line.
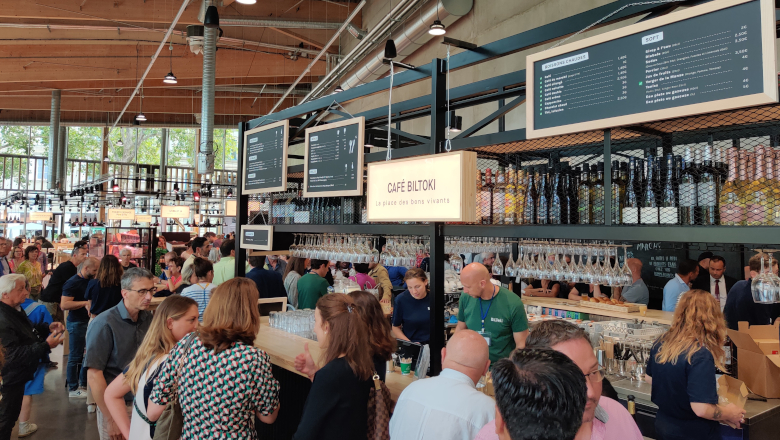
point(390, 51)
point(211, 20)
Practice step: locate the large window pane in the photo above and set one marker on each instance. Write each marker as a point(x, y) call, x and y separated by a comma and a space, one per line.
point(14, 139)
point(181, 147)
point(85, 143)
point(149, 146)
point(122, 144)
point(231, 150)
point(39, 136)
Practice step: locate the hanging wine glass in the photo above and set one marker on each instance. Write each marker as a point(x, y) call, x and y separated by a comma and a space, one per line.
point(510, 269)
point(498, 268)
point(626, 275)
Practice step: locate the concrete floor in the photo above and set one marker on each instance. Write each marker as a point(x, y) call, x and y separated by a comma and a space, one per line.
point(57, 416)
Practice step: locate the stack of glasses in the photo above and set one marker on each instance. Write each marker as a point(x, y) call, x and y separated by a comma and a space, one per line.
point(297, 322)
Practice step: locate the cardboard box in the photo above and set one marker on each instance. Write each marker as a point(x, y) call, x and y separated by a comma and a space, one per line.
point(759, 361)
point(732, 390)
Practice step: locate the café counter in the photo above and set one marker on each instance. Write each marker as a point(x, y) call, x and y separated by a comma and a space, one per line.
point(652, 316)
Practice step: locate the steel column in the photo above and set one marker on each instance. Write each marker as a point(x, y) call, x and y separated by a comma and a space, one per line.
point(54, 131)
point(242, 206)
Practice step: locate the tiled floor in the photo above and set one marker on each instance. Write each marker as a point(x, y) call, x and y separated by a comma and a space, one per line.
point(57, 416)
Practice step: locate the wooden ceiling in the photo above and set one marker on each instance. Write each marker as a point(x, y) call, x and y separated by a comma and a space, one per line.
point(94, 51)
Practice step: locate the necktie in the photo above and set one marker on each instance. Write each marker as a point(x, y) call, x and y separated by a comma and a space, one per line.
point(717, 291)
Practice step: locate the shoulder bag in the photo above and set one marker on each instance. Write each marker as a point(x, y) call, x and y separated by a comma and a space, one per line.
point(171, 422)
point(380, 409)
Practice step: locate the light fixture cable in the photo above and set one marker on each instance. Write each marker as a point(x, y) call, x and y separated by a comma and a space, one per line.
point(448, 143)
point(390, 114)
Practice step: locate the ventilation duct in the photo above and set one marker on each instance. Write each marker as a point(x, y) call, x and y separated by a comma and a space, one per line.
point(206, 151)
point(54, 131)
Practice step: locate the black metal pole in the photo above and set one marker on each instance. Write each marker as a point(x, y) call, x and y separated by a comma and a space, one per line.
point(242, 205)
point(438, 110)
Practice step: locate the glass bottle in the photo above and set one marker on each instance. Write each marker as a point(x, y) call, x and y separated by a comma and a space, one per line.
point(631, 201)
point(758, 195)
point(667, 212)
point(574, 201)
point(618, 191)
point(584, 198)
point(486, 199)
point(688, 190)
point(543, 198)
point(557, 197)
point(520, 195)
point(568, 203)
point(510, 197)
point(478, 217)
point(707, 187)
point(597, 194)
point(529, 213)
point(772, 174)
point(732, 212)
point(648, 214)
point(498, 197)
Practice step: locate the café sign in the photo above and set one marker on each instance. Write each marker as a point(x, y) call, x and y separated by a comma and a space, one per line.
point(40, 216)
point(121, 214)
point(174, 211)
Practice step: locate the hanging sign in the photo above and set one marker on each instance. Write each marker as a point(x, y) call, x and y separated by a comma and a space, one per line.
point(265, 158)
point(440, 187)
point(143, 218)
point(707, 58)
point(121, 214)
point(174, 211)
point(334, 159)
point(230, 208)
point(40, 216)
point(257, 237)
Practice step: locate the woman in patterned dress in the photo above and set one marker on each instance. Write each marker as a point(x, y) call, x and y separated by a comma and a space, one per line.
point(31, 269)
point(225, 381)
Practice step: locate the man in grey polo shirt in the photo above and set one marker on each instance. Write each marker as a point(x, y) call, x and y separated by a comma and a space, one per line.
point(112, 340)
point(637, 292)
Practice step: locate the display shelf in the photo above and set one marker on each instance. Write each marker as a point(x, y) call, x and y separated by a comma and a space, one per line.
point(146, 242)
point(653, 316)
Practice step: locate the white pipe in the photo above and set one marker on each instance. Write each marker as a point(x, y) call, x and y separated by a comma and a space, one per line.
point(324, 49)
point(151, 63)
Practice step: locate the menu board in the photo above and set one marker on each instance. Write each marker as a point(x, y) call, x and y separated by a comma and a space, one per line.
point(334, 159)
point(265, 158)
point(257, 237)
point(659, 265)
point(712, 57)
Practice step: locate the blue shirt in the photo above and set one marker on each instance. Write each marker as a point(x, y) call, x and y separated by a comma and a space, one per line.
point(75, 288)
point(269, 282)
point(672, 291)
point(201, 293)
point(39, 315)
point(741, 307)
point(396, 275)
point(675, 386)
point(414, 315)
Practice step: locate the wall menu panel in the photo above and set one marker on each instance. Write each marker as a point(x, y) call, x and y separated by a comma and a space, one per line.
point(257, 237)
point(265, 158)
point(334, 159)
point(713, 57)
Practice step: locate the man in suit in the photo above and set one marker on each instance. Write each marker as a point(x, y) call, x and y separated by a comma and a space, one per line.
point(717, 283)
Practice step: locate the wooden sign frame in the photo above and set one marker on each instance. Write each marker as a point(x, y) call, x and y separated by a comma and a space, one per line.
point(231, 206)
point(467, 192)
point(283, 186)
point(40, 217)
point(120, 214)
point(361, 121)
point(768, 96)
point(270, 230)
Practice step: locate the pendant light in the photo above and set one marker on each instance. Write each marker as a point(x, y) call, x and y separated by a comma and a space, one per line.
point(120, 142)
point(437, 28)
point(170, 78)
point(390, 51)
point(211, 19)
point(247, 2)
point(338, 89)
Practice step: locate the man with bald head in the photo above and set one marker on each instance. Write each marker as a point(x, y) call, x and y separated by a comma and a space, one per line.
point(636, 292)
point(78, 318)
point(492, 311)
point(448, 406)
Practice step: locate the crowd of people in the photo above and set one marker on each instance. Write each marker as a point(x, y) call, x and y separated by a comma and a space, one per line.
point(198, 348)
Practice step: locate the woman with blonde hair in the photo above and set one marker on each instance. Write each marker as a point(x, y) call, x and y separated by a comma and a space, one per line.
point(175, 318)
point(221, 405)
point(681, 369)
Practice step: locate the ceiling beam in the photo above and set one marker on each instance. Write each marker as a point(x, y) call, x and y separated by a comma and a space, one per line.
point(301, 39)
point(250, 81)
point(38, 117)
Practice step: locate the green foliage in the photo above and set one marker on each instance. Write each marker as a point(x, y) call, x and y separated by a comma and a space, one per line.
point(85, 143)
point(181, 147)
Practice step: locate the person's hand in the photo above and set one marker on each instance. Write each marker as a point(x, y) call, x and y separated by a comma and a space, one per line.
point(304, 362)
point(55, 339)
point(114, 433)
point(167, 273)
point(56, 327)
point(733, 415)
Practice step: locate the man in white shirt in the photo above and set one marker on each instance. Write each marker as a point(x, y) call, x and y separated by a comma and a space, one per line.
point(448, 406)
point(717, 283)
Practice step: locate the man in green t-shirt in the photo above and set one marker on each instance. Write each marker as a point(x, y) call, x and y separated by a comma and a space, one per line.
point(313, 286)
point(492, 311)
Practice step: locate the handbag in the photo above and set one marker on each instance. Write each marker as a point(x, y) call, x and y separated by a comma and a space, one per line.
point(380, 409)
point(171, 422)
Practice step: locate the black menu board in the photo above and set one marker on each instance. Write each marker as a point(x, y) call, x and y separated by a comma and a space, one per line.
point(334, 159)
point(716, 56)
point(265, 158)
point(257, 237)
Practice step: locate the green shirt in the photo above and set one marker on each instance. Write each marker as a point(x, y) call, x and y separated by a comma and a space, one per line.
point(505, 316)
point(311, 287)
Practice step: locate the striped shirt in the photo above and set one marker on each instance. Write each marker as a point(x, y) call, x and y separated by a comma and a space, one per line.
point(201, 293)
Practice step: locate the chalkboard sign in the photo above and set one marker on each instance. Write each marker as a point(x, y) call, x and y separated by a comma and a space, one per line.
point(334, 159)
point(712, 57)
point(257, 237)
point(265, 158)
point(659, 265)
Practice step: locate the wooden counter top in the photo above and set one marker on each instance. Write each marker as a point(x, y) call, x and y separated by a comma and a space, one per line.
point(656, 316)
point(282, 347)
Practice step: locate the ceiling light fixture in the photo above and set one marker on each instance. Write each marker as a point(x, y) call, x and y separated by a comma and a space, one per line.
point(105, 158)
point(170, 78)
point(437, 28)
point(211, 20)
point(390, 51)
point(455, 123)
point(338, 89)
point(120, 142)
point(114, 186)
point(247, 2)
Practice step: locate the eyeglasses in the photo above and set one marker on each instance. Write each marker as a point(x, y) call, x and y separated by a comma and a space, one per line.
point(145, 292)
point(595, 376)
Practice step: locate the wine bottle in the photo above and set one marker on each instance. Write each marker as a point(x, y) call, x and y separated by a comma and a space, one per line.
point(529, 213)
point(773, 214)
point(486, 200)
point(543, 198)
point(499, 201)
point(757, 195)
point(618, 192)
point(584, 198)
point(648, 213)
point(522, 189)
point(688, 190)
point(707, 196)
point(668, 212)
point(574, 202)
point(632, 199)
point(568, 203)
point(732, 212)
point(597, 192)
point(510, 197)
point(555, 196)
point(478, 218)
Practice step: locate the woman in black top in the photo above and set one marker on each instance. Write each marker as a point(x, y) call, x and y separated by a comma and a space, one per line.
point(337, 405)
point(383, 344)
point(105, 291)
point(681, 370)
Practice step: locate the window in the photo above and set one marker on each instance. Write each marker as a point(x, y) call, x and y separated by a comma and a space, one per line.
point(181, 147)
point(85, 143)
point(149, 144)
